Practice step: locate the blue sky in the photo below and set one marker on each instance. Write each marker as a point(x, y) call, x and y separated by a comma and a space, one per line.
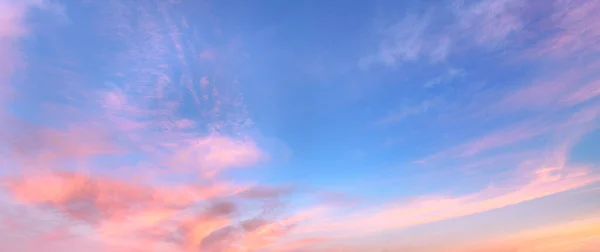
point(300, 125)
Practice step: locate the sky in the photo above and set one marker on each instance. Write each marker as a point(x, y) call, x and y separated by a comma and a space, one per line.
point(197, 125)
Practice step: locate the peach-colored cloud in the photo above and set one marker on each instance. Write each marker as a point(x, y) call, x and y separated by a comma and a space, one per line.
point(578, 235)
point(105, 195)
point(79, 196)
point(130, 214)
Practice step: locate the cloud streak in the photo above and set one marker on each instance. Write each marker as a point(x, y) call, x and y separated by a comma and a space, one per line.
point(487, 23)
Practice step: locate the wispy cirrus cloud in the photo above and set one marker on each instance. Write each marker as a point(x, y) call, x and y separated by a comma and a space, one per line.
point(407, 41)
point(560, 89)
point(574, 82)
point(448, 76)
point(488, 24)
point(569, 87)
point(576, 29)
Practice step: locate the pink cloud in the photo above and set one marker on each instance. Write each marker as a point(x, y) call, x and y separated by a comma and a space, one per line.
point(213, 153)
point(31, 147)
point(502, 138)
point(572, 86)
point(577, 22)
point(495, 139)
point(265, 192)
point(574, 34)
point(582, 94)
point(12, 16)
point(540, 94)
point(125, 213)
